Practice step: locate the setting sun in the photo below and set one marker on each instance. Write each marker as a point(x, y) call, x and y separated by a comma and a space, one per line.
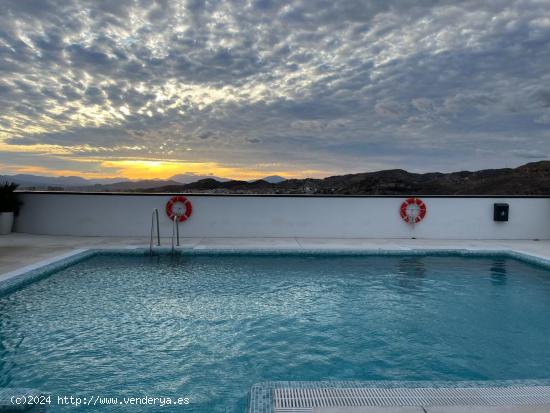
point(149, 169)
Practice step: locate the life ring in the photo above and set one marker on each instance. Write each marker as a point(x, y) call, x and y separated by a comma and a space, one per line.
point(413, 210)
point(175, 208)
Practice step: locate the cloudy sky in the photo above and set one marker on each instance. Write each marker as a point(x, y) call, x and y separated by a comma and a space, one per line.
point(248, 88)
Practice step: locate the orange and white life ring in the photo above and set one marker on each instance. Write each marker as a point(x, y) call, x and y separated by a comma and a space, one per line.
point(180, 207)
point(413, 210)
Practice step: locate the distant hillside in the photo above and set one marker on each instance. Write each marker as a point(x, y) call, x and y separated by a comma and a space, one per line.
point(76, 183)
point(273, 179)
point(25, 180)
point(529, 179)
point(127, 186)
point(190, 177)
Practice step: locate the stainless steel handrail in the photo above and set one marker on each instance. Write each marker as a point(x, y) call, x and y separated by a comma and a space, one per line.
point(178, 232)
point(175, 233)
point(154, 216)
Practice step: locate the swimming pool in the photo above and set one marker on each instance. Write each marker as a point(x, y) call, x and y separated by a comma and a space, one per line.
point(208, 326)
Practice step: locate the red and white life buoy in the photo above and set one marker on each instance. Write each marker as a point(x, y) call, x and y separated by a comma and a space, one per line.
point(413, 210)
point(179, 206)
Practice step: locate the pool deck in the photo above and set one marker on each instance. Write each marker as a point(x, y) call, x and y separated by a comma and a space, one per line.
point(21, 251)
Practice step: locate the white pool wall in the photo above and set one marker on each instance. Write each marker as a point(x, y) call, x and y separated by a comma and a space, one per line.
point(282, 216)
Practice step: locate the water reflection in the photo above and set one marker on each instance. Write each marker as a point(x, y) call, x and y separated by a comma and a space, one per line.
point(498, 272)
point(411, 273)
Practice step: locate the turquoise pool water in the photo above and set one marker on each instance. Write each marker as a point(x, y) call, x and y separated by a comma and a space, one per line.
point(207, 327)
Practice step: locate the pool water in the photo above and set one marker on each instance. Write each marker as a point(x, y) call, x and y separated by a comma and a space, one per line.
point(207, 327)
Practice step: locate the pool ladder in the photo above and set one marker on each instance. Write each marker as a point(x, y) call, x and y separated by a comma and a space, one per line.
point(154, 219)
point(175, 232)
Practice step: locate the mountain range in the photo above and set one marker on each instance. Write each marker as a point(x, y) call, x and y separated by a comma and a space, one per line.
point(529, 179)
point(77, 183)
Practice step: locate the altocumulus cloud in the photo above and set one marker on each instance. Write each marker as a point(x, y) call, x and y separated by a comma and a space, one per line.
point(298, 87)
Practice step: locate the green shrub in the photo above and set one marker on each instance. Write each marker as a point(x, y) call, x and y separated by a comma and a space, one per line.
point(8, 198)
